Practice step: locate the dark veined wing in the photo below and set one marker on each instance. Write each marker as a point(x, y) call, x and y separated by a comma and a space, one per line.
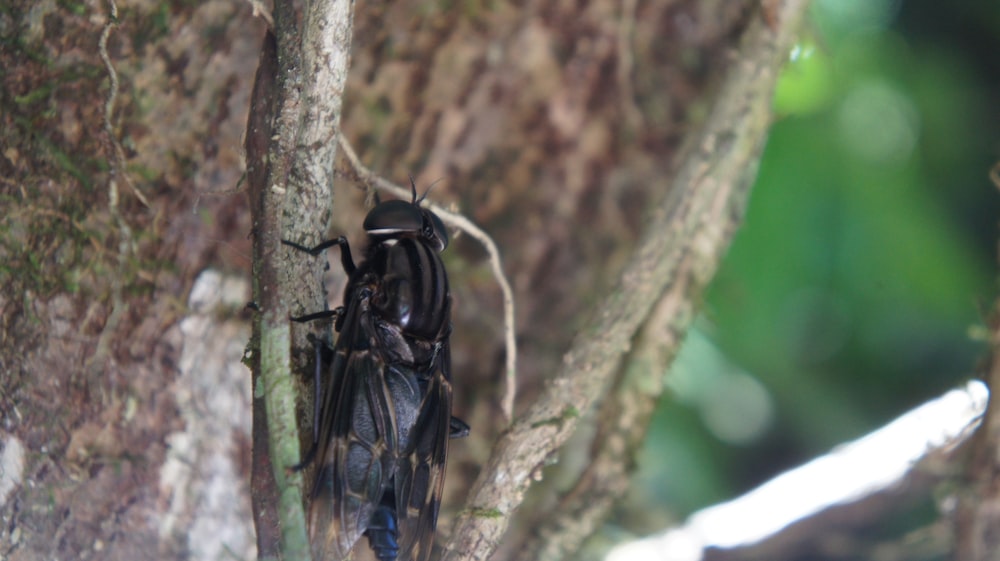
point(357, 438)
point(420, 469)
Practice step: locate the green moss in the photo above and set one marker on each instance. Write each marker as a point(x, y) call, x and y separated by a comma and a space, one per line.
point(145, 174)
point(76, 8)
point(152, 26)
point(486, 512)
point(569, 412)
point(35, 95)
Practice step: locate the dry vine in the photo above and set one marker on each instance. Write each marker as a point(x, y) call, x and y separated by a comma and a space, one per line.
point(116, 165)
point(464, 224)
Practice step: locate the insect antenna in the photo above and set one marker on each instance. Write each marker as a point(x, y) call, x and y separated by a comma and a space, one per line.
point(413, 189)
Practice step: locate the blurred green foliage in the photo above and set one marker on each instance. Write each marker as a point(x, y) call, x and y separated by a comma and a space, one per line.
point(866, 259)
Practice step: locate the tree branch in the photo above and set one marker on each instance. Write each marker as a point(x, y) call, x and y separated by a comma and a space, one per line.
point(294, 117)
point(689, 232)
point(856, 483)
point(622, 423)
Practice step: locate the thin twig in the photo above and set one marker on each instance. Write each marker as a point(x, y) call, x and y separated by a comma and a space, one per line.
point(262, 11)
point(295, 111)
point(116, 165)
point(464, 224)
point(626, 64)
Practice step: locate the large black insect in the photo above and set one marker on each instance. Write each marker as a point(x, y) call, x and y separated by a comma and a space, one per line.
point(384, 409)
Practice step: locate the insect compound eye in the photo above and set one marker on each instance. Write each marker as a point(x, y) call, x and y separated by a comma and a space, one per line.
point(393, 218)
point(433, 230)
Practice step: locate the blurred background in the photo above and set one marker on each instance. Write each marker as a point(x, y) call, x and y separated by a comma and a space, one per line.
point(857, 286)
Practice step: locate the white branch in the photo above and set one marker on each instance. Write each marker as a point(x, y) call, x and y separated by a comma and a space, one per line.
point(877, 462)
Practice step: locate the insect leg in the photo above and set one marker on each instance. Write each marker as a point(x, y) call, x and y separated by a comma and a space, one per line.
point(324, 354)
point(345, 251)
point(320, 346)
point(325, 314)
point(457, 428)
point(318, 385)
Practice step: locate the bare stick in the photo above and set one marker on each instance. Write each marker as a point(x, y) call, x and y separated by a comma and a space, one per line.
point(295, 112)
point(118, 155)
point(116, 165)
point(862, 482)
point(464, 224)
point(260, 10)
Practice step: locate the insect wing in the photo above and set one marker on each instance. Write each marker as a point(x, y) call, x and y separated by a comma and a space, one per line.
point(357, 439)
point(420, 469)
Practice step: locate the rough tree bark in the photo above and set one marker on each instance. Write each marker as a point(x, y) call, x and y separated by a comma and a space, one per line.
point(124, 397)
